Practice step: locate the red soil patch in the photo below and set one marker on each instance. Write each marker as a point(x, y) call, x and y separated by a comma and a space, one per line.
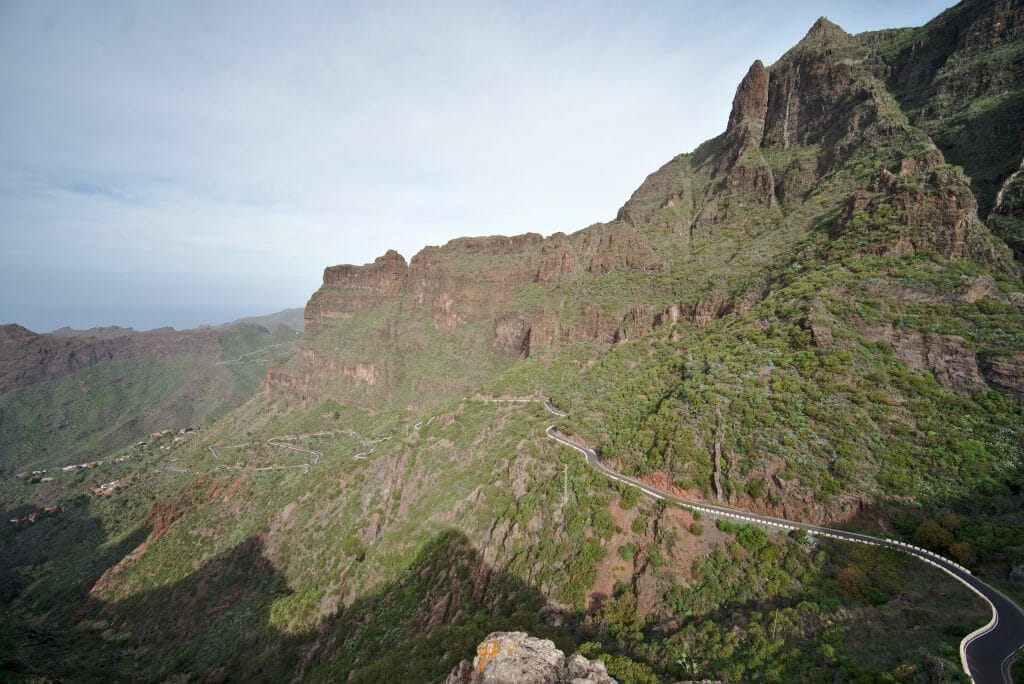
point(663, 482)
point(613, 569)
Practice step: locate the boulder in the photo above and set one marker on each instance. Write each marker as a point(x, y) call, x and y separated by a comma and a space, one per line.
point(518, 658)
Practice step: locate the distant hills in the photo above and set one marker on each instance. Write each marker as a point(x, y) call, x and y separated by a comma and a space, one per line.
point(292, 318)
point(78, 394)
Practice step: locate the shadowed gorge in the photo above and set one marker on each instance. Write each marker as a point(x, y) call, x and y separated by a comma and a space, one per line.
point(447, 590)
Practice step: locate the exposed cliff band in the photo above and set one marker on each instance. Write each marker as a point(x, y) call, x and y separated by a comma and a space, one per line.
point(823, 109)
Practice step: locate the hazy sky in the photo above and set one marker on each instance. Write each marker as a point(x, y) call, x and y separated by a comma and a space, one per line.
point(192, 162)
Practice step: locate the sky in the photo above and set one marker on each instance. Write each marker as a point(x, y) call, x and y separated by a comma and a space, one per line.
point(185, 163)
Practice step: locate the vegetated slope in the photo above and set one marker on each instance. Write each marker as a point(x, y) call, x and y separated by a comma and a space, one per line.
point(881, 356)
point(73, 399)
point(392, 566)
point(803, 315)
point(961, 79)
point(290, 318)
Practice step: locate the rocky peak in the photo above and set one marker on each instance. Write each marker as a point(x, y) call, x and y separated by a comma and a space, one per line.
point(390, 257)
point(750, 104)
point(816, 99)
point(518, 658)
point(824, 32)
point(13, 331)
point(739, 157)
point(350, 289)
point(385, 271)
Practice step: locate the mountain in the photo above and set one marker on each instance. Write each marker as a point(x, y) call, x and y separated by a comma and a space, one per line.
point(816, 315)
point(104, 332)
point(73, 396)
point(290, 318)
point(961, 79)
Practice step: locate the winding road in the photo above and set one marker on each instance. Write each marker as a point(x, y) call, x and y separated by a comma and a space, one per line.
point(986, 654)
point(244, 358)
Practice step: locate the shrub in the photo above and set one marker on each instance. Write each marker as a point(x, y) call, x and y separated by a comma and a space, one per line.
point(629, 498)
point(751, 538)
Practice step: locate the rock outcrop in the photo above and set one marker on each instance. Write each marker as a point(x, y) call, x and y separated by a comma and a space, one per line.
point(933, 209)
point(471, 279)
point(949, 358)
point(518, 658)
point(750, 105)
point(969, 53)
point(349, 289)
point(1006, 373)
point(27, 358)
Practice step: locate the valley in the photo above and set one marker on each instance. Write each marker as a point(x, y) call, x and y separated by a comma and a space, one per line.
point(792, 363)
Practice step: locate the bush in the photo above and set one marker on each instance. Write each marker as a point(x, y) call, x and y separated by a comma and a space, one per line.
point(852, 584)
point(630, 497)
point(751, 538)
point(800, 536)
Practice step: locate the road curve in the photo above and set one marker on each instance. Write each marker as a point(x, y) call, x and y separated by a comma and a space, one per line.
point(987, 654)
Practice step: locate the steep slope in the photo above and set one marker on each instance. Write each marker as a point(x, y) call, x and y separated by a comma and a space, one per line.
point(410, 335)
point(73, 398)
point(805, 315)
point(890, 251)
point(290, 318)
point(961, 79)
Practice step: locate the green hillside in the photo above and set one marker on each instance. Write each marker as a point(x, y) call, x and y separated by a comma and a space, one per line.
point(104, 407)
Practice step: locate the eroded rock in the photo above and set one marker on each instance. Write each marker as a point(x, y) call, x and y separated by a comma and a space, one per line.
point(1006, 373)
point(947, 357)
point(518, 658)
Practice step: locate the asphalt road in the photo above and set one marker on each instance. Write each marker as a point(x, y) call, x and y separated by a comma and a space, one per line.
point(987, 654)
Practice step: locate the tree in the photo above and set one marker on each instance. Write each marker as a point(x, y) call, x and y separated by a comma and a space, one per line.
point(851, 583)
point(932, 535)
point(964, 553)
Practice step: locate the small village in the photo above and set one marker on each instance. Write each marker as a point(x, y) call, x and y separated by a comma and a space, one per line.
point(105, 489)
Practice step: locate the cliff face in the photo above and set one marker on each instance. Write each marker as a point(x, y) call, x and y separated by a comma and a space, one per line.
point(470, 279)
point(960, 78)
point(27, 358)
point(348, 290)
point(467, 292)
point(832, 140)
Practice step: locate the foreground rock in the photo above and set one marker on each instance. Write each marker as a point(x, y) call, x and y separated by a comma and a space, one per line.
point(518, 658)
